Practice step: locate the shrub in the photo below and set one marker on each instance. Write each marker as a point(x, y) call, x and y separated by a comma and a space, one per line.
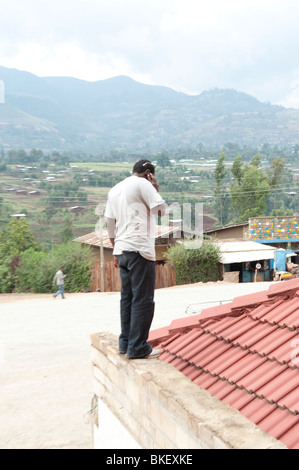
point(76, 260)
point(36, 269)
point(32, 272)
point(7, 276)
point(195, 265)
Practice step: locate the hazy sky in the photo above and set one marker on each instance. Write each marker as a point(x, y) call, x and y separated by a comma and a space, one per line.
point(188, 45)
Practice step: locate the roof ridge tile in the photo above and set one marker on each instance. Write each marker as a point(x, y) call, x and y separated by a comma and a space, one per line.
point(283, 287)
point(277, 315)
point(265, 309)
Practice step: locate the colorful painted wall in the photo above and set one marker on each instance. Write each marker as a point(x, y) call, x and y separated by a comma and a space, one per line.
point(273, 228)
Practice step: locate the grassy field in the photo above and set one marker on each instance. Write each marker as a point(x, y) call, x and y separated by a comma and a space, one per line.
point(104, 166)
point(48, 221)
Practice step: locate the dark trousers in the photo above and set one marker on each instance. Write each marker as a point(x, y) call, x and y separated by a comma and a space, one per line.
point(136, 304)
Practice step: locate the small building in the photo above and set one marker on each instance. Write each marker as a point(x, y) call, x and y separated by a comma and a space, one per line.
point(246, 261)
point(34, 193)
point(165, 274)
point(238, 231)
point(281, 232)
point(77, 209)
point(18, 216)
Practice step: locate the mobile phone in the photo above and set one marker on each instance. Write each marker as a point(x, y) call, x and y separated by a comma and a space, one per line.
point(147, 174)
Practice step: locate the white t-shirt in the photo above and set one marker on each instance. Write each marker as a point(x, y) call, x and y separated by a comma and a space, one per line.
point(129, 204)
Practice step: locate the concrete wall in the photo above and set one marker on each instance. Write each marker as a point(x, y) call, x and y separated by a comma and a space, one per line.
point(157, 407)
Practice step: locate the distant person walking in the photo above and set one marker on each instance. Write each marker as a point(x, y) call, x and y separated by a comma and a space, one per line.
point(59, 280)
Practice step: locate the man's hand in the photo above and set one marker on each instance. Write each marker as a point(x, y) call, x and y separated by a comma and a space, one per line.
point(151, 178)
point(115, 262)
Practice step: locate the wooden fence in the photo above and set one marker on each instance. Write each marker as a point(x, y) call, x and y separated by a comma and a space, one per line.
point(165, 277)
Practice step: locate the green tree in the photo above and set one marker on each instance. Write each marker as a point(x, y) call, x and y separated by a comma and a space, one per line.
point(250, 198)
point(238, 169)
point(220, 174)
point(19, 236)
point(76, 260)
point(238, 173)
point(13, 243)
point(256, 160)
point(67, 231)
point(7, 278)
point(36, 269)
point(33, 274)
point(36, 155)
point(275, 176)
point(163, 159)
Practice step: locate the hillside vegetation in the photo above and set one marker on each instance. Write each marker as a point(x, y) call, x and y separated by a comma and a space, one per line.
point(59, 197)
point(47, 200)
point(122, 114)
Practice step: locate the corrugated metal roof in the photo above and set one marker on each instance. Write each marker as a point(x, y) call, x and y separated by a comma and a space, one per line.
point(240, 246)
point(243, 257)
point(94, 238)
point(226, 227)
point(242, 251)
point(245, 353)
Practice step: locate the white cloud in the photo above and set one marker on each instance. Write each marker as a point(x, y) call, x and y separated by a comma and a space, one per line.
point(190, 45)
point(68, 59)
point(292, 98)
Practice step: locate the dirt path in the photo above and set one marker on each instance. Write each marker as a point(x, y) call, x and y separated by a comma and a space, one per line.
point(46, 385)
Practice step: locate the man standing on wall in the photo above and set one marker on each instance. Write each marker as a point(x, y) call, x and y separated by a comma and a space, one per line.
point(130, 212)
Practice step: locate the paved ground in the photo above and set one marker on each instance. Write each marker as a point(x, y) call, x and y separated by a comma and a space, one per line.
point(45, 369)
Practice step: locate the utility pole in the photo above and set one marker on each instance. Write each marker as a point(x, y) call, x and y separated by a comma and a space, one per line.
point(100, 212)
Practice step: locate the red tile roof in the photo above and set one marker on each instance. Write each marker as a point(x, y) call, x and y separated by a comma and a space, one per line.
point(246, 353)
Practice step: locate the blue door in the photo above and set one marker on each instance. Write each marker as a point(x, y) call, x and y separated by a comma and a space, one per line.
point(280, 260)
point(246, 273)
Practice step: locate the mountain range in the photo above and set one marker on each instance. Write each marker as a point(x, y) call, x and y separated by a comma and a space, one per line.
point(121, 114)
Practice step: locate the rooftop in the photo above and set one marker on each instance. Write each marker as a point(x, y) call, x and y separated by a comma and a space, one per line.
point(94, 238)
point(245, 354)
point(238, 251)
